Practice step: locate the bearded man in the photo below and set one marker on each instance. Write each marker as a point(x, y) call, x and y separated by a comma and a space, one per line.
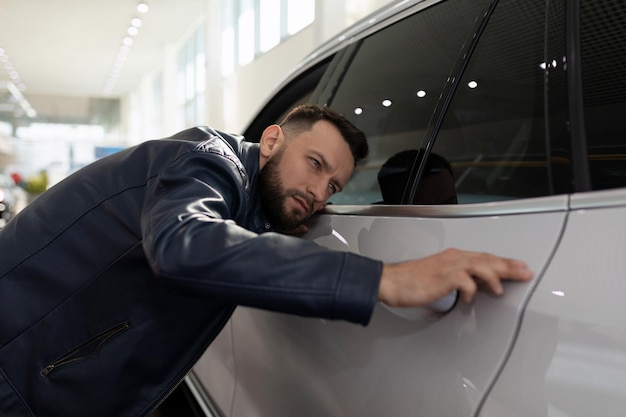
point(114, 281)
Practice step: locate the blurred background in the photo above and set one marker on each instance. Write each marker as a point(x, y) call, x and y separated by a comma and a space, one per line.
point(82, 79)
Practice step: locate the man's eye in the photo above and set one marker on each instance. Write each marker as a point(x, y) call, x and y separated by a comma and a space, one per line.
point(332, 187)
point(316, 163)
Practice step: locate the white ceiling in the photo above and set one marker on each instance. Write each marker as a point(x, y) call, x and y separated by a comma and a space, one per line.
point(69, 47)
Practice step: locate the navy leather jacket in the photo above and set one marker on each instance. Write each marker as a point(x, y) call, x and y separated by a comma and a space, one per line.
point(115, 281)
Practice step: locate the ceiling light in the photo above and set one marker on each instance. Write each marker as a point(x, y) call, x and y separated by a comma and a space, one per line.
point(386, 103)
point(127, 42)
point(358, 110)
point(143, 7)
point(15, 91)
point(472, 84)
point(421, 93)
point(12, 72)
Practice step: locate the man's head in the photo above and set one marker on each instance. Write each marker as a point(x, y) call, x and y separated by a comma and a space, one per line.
point(304, 160)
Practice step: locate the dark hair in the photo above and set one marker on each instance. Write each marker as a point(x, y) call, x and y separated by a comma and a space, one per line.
point(301, 119)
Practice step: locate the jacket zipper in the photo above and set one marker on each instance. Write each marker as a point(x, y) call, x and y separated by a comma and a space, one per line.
point(86, 349)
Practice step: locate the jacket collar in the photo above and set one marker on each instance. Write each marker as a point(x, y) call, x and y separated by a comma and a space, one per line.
point(249, 154)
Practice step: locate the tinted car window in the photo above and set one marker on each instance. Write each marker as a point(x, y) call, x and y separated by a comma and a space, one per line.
point(391, 87)
point(505, 132)
point(603, 64)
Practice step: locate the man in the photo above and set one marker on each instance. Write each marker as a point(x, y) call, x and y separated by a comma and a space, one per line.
point(114, 281)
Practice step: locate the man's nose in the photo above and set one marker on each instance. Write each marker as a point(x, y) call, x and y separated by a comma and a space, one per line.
point(319, 191)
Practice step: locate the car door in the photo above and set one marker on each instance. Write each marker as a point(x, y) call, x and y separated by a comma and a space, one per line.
point(570, 355)
point(447, 106)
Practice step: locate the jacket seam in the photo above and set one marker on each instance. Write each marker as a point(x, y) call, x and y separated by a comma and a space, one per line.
point(70, 224)
point(69, 297)
point(99, 203)
point(17, 393)
point(204, 284)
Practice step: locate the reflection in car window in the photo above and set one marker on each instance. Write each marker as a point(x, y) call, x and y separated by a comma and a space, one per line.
point(436, 185)
point(603, 62)
point(494, 133)
point(394, 82)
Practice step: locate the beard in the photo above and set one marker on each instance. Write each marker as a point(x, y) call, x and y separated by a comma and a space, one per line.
point(274, 198)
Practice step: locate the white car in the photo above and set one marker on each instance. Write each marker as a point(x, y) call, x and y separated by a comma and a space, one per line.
point(520, 108)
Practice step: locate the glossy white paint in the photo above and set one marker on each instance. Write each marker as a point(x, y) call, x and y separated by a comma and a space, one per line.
point(429, 363)
point(216, 369)
point(570, 356)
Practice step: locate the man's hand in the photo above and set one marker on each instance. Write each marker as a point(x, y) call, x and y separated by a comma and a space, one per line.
point(423, 281)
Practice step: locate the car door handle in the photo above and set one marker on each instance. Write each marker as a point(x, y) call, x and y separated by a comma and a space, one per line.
point(429, 312)
point(444, 304)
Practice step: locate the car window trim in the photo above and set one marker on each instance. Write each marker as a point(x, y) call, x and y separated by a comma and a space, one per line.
point(549, 204)
point(444, 102)
point(333, 76)
point(582, 181)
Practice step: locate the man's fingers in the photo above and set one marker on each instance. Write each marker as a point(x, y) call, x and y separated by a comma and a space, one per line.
point(467, 287)
point(423, 281)
point(519, 271)
point(490, 270)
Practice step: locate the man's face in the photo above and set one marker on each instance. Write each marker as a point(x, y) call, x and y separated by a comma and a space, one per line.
point(301, 173)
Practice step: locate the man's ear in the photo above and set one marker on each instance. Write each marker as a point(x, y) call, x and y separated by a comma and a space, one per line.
point(271, 140)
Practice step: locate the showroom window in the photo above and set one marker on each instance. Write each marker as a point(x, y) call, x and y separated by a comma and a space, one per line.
point(603, 64)
point(191, 76)
point(252, 27)
point(390, 90)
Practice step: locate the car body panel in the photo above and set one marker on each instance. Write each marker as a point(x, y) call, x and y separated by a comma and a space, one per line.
point(288, 364)
point(570, 356)
point(216, 371)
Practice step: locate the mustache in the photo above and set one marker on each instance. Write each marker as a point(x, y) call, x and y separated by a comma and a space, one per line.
point(304, 197)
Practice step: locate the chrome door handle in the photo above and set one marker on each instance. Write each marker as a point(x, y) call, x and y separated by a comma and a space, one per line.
point(429, 312)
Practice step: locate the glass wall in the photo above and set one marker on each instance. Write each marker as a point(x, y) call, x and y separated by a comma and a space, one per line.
point(252, 27)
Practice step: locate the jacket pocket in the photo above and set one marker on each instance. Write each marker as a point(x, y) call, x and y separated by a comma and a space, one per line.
point(85, 350)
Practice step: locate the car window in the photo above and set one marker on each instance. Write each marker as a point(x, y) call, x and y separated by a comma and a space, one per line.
point(603, 64)
point(505, 132)
point(390, 89)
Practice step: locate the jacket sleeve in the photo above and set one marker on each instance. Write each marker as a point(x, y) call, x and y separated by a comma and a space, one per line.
point(191, 238)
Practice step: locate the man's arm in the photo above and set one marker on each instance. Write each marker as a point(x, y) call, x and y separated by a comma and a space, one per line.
point(423, 281)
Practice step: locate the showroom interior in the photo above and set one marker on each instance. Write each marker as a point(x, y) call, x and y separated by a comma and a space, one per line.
point(80, 80)
point(141, 277)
